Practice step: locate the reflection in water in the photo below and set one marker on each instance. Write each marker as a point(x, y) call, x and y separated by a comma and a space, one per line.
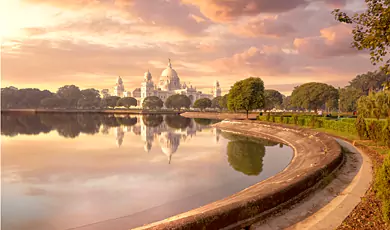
point(168, 130)
point(66, 171)
point(246, 154)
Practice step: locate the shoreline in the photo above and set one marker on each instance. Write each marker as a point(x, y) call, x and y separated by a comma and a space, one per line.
point(103, 111)
point(301, 177)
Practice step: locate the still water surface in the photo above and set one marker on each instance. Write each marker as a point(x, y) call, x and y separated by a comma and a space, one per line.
point(88, 171)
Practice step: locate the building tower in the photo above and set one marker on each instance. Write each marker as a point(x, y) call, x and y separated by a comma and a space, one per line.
point(147, 86)
point(216, 89)
point(119, 88)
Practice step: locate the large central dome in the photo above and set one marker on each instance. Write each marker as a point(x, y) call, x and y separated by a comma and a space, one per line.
point(169, 79)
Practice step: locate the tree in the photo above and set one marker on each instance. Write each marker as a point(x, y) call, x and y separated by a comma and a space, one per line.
point(375, 104)
point(127, 102)
point(369, 81)
point(54, 102)
point(202, 103)
point(349, 97)
point(313, 95)
point(223, 102)
point(152, 102)
point(216, 102)
point(177, 101)
point(71, 93)
point(371, 30)
point(110, 101)
point(246, 95)
point(273, 99)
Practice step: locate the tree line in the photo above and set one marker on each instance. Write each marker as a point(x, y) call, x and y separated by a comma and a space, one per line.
point(368, 89)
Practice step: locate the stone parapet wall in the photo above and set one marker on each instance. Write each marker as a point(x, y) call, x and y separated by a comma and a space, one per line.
point(316, 155)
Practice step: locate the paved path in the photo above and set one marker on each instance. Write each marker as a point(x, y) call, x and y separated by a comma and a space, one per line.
point(327, 208)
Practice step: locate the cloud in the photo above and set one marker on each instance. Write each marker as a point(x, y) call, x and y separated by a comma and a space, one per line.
point(252, 60)
point(263, 27)
point(336, 3)
point(221, 10)
point(333, 41)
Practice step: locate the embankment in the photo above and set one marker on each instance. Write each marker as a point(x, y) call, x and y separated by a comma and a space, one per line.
point(316, 155)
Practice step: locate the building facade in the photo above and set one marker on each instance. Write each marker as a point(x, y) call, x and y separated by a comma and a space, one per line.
point(167, 85)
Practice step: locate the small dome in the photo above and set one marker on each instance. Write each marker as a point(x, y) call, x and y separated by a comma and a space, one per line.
point(216, 84)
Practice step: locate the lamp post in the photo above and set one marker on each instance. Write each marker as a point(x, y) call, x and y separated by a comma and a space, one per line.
point(338, 112)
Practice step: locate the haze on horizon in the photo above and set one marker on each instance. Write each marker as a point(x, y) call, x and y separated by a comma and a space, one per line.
point(50, 43)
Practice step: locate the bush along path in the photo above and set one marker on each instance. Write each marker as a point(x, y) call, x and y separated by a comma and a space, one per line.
point(373, 137)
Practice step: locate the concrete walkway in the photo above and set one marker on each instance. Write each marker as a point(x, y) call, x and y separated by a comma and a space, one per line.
point(328, 207)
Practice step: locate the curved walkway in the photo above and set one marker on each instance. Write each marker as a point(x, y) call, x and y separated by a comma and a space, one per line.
point(328, 207)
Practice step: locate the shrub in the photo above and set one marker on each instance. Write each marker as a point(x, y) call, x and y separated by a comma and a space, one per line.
point(273, 118)
point(382, 185)
point(295, 119)
point(361, 127)
point(267, 118)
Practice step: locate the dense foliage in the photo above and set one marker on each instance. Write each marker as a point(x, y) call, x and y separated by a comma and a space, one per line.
point(246, 95)
point(127, 102)
point(371, 30)
point(178, 101)
point(202, 103)
point(273, 99)
point(314, 95)
point(152, 102)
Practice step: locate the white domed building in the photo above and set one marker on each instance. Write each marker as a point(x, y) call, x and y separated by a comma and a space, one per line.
point(168, 84)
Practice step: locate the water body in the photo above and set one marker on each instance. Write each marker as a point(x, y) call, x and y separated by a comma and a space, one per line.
point(89, 171)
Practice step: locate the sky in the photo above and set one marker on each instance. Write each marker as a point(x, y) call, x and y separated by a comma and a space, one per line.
point(50, 43)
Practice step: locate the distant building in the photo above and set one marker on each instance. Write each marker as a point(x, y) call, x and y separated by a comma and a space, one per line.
point(168, 84)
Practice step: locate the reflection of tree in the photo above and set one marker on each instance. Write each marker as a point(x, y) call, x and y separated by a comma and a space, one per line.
point(12, 125)
point(89, 123)
point(246, 154)
point(127, 120)
point(66, 124)
point(177, 121)
point(202, 121)
point(152, 120)
point(235, 137)
point(110, 121)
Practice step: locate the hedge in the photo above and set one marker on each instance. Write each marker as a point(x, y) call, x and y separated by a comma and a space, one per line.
point(372, 129)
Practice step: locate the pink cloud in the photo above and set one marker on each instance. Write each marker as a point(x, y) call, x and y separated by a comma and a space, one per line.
point(263, 27)
point(333, 41)
point(221, 10)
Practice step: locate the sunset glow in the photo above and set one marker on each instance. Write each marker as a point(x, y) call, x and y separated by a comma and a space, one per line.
point(50, 43)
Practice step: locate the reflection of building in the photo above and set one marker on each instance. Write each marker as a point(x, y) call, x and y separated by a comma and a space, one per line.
point(167, 85)
point(166, 137)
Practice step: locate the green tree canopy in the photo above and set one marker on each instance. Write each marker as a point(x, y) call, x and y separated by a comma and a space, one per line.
point(54, 102)
point(178, 101)
point(152, 102)
point(348, 98)
point(313, 95)
point(246, 95)
point(369, 81)
point(202, 103)
point(273, 99)
point(127, 102)
point(371, 30)
point(216, 102)
point(376, 104)
point(71, 93)
point(109, 101)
